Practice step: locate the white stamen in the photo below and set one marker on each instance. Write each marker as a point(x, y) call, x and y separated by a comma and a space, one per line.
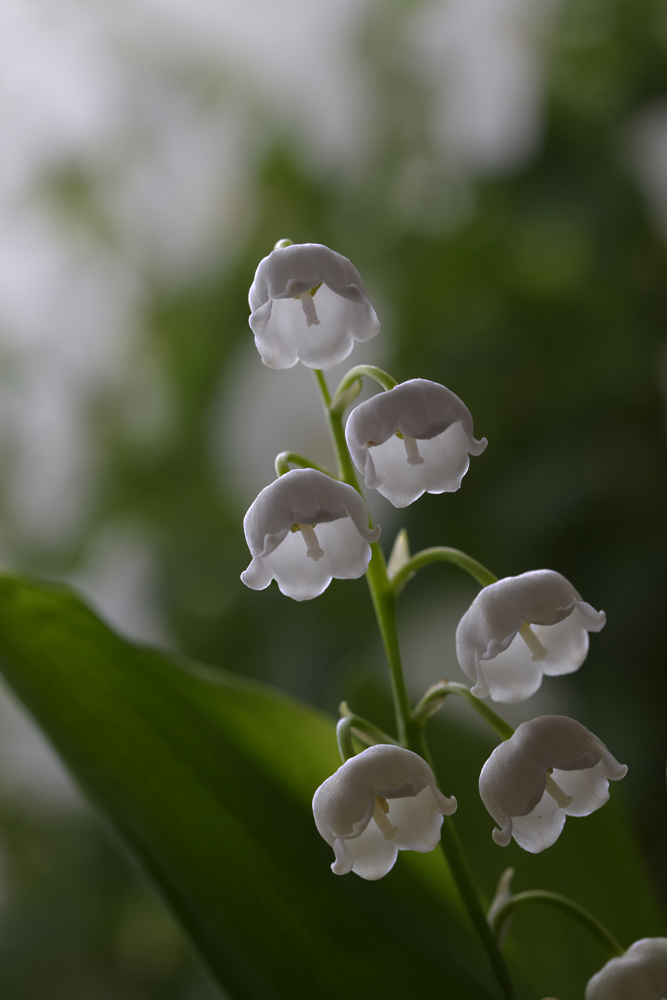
point(380, 817)
point(412, 451)
point(308, 306)
point(310, 538)
point(534, 645)
point(557, 793)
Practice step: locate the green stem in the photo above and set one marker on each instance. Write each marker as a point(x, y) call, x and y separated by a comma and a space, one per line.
point(346, 470)
point(382, 591)
point(411, 732)
point(435, 697)
point(441, 553)
point(287, 458)
point(355, 375)
point(577, 912)
point(354, 725)
point(384, 603)
point(344, 737)
point(469, 893)
point(465, 883)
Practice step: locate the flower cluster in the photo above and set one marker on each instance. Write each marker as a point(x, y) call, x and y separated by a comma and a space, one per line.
point(309, 304)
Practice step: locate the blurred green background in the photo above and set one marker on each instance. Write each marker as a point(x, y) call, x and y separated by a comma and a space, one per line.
point(497, 171)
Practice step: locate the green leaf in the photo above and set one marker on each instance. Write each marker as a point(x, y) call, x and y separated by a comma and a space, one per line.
point(206, 780)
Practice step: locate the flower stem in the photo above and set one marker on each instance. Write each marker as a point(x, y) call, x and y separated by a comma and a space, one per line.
point(577, 912)
point(469, 893)
point(442, 553)
point(460, 870)
point(344, 737)
point(382, 591)
point(287, 458)
point(384, 603)
point(346, 471)
point(435, 697)
point(410, 731)
point(465, 884)
point(341, 395)
point(354, 725)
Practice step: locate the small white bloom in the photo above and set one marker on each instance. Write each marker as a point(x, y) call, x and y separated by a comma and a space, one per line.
point(639, 974)
point(521, 628)
point(308, 304)
point(382, 801)
point(302, 530)
point(412, 439)
point(552, 767)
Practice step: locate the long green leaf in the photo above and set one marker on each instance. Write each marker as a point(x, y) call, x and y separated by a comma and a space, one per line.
point(206, 780)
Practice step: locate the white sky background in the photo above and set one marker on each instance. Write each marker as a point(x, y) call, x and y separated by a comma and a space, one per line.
point(165, 107)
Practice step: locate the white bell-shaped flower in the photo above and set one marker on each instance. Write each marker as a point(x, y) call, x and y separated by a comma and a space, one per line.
point(521, 628)
point(639, 974)
point(412, 439)
point(308, 304)
point(552, 767)
point(302, 530)
point(382, 801)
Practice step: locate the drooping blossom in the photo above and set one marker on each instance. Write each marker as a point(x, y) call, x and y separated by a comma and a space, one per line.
point(521, 628)
point(552, 767)
point(382, 801)
point(639, 974)
point(415, 438)
point(308, 304)
point(304, 529)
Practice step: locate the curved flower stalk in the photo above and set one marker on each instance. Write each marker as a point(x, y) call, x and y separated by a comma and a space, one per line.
point(308, 304)
point(304, 529)
point(522, 628)
point(382, 801)
point(552, 767)
point(412, 439)
point(639, 974)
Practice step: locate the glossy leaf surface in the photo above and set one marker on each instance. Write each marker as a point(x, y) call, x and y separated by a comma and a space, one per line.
point(206, 780)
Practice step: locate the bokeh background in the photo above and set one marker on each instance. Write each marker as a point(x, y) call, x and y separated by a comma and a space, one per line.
point(497, 170)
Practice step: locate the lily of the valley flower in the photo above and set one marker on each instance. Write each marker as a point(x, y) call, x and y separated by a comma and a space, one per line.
point(552, 767)
point(639, 974)
point(382, 801)
point(412, 439)
point(308, 304)
point(302, 530)
point(521, 628)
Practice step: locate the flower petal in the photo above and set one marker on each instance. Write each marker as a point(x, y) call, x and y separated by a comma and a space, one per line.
point(589, 788)
point(346, 557)
point(419, 820)
point(445, 461)
point(369, 855)
point(639, 974)
point(541, 828)
point(511, 676)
